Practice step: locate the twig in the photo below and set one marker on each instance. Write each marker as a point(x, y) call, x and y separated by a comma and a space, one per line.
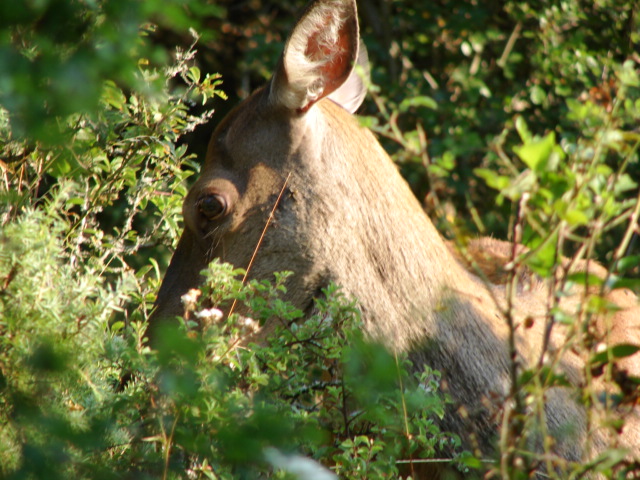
point(253, 257)
point(509, 46)
point(167, 447)
point(264, 232)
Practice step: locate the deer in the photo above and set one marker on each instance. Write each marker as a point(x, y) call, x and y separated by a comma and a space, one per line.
point(344, 215)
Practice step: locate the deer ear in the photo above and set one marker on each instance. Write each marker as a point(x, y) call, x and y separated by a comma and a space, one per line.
point(319, 55)
point(351, 93)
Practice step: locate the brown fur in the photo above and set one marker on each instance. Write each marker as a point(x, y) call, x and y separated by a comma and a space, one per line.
point(348, 217)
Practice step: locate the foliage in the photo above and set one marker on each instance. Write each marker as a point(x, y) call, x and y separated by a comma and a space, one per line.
point(465, 72)
point(572, 195)
point(516, 118)
point(85, 397)
point(55, 55)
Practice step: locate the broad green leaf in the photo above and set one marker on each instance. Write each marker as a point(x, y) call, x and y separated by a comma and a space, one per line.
point(624, 184)
point(581, 278)
point(628, 263)
point(614, 139)
point(368, 121)
point(576, 217)
point(535, 153)
point(194, 74)
point(447, 161)
point(618, 282)
point(544, 257)
point(629, 74)
point(113, 96)
point(117, 326)
point(615, 352)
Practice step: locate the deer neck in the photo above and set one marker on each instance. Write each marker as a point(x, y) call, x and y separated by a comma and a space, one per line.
point(384, 251)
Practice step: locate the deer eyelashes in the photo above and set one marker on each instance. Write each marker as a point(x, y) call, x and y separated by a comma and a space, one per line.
point(209, 205)
point(212, 206)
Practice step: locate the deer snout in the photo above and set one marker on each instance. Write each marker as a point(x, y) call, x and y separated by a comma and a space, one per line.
point(182, 275)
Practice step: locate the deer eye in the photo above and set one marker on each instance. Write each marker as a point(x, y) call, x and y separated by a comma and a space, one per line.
point(212, 206)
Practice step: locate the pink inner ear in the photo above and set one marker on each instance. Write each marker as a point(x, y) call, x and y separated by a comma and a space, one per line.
point(334, 57)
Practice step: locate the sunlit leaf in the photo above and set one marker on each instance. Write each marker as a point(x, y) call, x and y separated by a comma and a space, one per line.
point(535, 153)
point(420, 101)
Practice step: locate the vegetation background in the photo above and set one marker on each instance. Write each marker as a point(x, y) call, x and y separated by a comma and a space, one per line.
point(514, 119)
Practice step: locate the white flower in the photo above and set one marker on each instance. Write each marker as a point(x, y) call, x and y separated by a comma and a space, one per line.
point(248, 324)
point(210, 314)
point(190, 298)
point(247, 321)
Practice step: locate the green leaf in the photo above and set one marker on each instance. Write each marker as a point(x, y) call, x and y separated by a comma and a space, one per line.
point(537, 95)
point(447, 161)
point(113, 96)
point(60, 166)
point(420, 101)
point(581, 278)
point(624, 184)
point(629, 74)
point(523, 129)
point(368, 121)
point(535, 153)
point(493, 180)
point(117, 326)
point(618, 282)
point(194, 74)
point(544, 257)
point(615, 352)
point(627, 263)
point(472, 462)
point(576, 217)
